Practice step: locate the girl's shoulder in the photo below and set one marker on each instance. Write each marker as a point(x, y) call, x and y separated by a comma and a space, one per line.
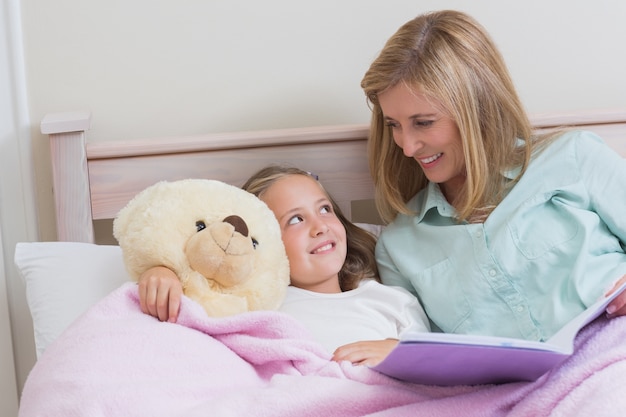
point(375, 286)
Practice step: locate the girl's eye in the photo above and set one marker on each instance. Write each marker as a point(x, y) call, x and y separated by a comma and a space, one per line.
point(295, 220)
point(326, 209)
point(200, 225)
point(255, 243)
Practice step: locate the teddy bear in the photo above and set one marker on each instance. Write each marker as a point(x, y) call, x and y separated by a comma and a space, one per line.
point(222, 242)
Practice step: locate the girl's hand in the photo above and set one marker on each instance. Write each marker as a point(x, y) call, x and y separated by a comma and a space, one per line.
point(370, 352)
point(618, 305)
point(160, 293)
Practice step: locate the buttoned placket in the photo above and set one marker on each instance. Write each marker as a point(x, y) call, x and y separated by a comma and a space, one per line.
point(501, 284)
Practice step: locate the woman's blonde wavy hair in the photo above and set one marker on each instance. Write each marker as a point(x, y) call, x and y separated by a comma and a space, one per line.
point(360, 262)
point(449, 57)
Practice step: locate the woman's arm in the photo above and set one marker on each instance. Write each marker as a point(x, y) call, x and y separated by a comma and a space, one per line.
point(604, 173)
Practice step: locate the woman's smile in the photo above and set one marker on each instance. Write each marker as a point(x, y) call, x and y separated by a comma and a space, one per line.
point(431, 159)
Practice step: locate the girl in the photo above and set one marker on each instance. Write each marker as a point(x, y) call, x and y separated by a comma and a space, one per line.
point(334, 288)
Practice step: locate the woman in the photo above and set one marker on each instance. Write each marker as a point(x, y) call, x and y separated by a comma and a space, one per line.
point(497, 230)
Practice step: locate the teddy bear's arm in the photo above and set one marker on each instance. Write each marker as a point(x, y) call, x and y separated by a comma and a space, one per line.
point(215, 304)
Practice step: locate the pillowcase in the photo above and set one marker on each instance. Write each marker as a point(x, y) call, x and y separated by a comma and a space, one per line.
point(375, 229)
point(64, 279)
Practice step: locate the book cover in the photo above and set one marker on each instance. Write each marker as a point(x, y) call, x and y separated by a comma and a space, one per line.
point(454, 359)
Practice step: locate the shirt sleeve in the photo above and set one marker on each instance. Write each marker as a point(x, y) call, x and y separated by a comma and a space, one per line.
point(603, 171)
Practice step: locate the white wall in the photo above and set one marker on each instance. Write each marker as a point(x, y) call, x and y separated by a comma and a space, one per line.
point(17, 209)
point(162, 67)
point(158, 67)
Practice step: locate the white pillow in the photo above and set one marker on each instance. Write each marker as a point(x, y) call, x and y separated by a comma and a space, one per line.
point(64, 279)
point(375, 229)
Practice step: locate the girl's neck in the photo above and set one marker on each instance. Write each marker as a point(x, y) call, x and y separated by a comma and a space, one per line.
point(328, 286)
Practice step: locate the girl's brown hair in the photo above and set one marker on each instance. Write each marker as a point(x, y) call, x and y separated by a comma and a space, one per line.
point(360, 262)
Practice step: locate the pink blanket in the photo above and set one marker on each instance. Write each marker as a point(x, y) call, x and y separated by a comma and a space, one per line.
point(117, 361)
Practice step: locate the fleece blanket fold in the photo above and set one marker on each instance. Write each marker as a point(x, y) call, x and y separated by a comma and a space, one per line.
point(117, 361)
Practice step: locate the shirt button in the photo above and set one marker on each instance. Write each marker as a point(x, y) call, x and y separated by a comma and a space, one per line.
point(478, 234)
point(520, 309)
point(492, 272)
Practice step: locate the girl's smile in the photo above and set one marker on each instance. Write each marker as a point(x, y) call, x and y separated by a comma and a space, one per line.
point(327, 247)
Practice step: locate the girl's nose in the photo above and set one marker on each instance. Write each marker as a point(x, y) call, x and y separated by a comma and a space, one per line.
point(318, 228)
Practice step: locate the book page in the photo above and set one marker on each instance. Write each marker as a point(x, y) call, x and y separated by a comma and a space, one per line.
point(476, 340)
point(564, 338)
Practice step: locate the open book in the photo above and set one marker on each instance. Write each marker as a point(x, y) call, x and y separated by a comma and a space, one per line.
point(454, 359)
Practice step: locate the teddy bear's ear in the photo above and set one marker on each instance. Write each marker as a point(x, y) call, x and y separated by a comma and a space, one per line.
point(128, 215)
point(145, 223)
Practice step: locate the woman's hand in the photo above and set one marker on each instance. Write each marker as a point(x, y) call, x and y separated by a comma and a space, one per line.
point(618, 305)
point(370, 352)
point(160, 292)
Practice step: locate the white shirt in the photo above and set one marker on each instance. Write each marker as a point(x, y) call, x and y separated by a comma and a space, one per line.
point(370, 312)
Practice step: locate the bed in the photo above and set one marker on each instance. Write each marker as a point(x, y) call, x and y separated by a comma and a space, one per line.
point(99, 355)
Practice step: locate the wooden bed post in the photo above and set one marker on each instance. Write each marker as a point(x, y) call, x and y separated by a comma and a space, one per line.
point(70, 174)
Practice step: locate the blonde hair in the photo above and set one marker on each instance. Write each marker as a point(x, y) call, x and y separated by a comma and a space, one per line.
point(360, 262)
point(449, 57)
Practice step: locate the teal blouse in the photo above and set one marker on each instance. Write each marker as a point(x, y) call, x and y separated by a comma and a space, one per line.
point(551, 248)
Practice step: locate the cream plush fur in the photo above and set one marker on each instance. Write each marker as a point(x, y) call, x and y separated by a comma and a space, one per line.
point(222, 242)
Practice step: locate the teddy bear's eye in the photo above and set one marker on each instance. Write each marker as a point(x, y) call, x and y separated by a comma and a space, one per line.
point(255, 243)
point(200, 225)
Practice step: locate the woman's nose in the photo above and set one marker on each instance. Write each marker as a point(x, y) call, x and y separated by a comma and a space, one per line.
point(409, 144)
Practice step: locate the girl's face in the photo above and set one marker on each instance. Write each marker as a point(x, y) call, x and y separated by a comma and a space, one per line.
point(425, 134)
point(314, 238)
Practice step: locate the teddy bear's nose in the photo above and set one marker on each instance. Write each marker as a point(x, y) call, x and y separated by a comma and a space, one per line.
point(238, 223)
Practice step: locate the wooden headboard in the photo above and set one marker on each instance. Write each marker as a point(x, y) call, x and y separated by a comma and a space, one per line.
point(93, 180)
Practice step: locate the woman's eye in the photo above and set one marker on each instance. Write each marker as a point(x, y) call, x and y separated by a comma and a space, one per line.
point(392, 125)
point(424, 123)
point(200, 225)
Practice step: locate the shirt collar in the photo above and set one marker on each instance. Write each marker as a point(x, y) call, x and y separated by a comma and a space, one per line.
point(514, 172)
point(432, 198)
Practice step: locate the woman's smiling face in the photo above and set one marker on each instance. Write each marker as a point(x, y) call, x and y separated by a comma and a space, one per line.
point(314, 238)
point(426, 134)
